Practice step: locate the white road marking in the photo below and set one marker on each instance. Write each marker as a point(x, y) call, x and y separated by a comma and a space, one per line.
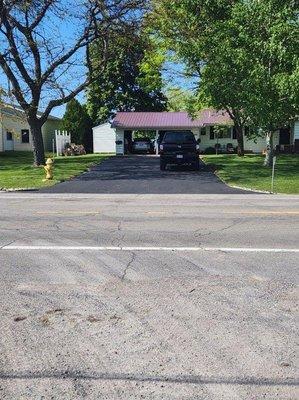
point(67, 212)
point(154, 248)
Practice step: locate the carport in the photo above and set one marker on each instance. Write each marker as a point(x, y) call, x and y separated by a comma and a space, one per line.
point(125, 123)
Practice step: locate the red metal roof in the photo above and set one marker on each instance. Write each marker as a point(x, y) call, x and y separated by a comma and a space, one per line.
point(161, 120)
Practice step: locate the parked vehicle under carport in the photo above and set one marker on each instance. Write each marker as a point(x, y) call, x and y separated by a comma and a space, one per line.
point(179, 148)
point(142, 146)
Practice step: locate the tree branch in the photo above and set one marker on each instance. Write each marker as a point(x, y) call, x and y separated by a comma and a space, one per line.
point(62, 100)
point(14, 50)
point(41, 15)
point(17, 92)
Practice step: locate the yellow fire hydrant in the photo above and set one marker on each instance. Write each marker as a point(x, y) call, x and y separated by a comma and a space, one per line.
point(49, 169)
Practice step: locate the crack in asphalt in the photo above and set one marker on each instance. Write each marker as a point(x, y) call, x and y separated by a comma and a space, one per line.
point(197, 234)
point(123, 277)
point(185, 258)
point(119, 226)
point(122, 234)
point(8, 244)
point(56, 225)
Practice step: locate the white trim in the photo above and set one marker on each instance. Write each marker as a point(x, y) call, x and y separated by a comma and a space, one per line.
point(104, 123)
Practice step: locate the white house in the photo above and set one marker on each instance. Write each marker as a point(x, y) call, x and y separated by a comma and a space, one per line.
point(117, 137)
point(15, 132)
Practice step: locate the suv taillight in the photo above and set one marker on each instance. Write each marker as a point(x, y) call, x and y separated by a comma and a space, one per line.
point(161, 147)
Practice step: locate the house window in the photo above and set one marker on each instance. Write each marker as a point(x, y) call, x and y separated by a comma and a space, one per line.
point(212, 133)
point(9, 136)
point(224, 133)
point(203, 131)
point(25, 135)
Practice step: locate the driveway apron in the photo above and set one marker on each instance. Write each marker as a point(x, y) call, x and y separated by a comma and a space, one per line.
point(140, 174)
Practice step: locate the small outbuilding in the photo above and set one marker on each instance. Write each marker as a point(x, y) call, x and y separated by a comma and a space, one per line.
point(104, 138)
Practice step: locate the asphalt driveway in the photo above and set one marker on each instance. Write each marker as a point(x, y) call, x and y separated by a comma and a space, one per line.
point(140, 174)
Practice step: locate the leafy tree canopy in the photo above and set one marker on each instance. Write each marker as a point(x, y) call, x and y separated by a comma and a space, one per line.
point(245, 54)
point(179, 99)
point(132, 80)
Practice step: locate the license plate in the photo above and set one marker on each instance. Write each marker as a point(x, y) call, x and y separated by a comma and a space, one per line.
point(179, 156)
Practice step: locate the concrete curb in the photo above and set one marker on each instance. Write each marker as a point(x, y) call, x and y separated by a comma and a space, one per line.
point(19, 190)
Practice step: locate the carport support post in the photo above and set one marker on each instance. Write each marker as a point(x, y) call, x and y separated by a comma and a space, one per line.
point(157, 145)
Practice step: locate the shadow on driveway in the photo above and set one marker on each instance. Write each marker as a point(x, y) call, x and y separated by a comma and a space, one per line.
point(140, 174)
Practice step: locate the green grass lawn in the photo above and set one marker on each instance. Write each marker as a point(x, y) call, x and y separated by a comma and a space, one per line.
point(249, 172)
point(17, 171)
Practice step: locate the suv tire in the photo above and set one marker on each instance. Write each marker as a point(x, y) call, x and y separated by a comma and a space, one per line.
point(162, 165)
point(196, 165)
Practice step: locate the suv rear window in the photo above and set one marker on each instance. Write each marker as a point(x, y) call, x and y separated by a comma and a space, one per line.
point(179, 137)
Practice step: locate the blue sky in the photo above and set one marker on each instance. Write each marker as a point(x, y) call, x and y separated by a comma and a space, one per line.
point(173, 76)
point(172, 73)
point(67, 30)
point(64, 31)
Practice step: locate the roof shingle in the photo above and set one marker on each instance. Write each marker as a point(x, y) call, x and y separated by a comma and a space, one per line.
point(162, 120)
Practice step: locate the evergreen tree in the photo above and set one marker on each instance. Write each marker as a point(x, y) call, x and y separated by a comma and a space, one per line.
point(78, 123)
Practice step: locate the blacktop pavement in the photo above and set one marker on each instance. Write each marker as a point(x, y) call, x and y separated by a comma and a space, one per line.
point(140, 174)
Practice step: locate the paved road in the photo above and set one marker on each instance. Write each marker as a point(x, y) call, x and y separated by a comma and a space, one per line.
point(202, 320)
point(141, 174)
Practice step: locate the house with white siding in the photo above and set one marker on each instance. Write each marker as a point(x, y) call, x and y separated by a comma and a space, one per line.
point(15, 132)
point(115, 137)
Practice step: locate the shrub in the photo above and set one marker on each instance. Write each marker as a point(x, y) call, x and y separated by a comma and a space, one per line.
point(210, 150)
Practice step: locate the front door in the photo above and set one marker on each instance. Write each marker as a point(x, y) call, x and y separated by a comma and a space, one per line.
point(285, 136)
point(8, 141)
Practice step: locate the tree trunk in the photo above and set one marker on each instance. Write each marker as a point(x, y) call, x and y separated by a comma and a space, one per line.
point(38, 142)
point(269, 150)
point(240, 140)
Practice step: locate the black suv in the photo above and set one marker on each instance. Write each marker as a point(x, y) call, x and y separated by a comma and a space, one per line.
point(179, 148)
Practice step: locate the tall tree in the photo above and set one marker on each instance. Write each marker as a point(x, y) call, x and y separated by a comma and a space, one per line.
point(43, 63)
point(77, 122)
point(198, 32)
point(132, 80)
point(269, 31)
point(235, 46)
